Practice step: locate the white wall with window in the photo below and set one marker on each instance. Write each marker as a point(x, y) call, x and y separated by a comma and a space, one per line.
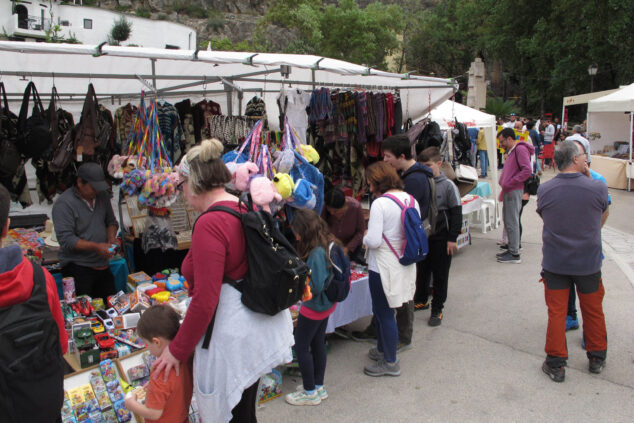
point(30, 20)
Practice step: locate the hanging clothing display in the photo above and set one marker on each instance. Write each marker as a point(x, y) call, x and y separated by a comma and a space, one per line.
point(398, 115)
point(256, 110)
point(186, 115)
point(171, 129)
point(201, 112)
point(292, 104)
point(123, 122)
point(229, 129)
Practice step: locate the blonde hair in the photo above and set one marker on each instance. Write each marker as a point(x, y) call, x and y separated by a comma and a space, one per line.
point(206, 169)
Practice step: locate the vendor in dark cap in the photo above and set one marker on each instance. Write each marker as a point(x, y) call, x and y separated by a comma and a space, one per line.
point(86, 228)
point(346, 222)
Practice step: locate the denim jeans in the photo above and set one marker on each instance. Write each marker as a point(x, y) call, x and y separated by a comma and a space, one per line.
point(484, 162)
point(387, 338)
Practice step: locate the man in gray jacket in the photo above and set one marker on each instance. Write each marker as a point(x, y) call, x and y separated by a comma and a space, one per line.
point(442, 240)
point(86, 230)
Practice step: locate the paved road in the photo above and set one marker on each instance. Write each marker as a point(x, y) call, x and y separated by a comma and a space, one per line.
point(483, 363)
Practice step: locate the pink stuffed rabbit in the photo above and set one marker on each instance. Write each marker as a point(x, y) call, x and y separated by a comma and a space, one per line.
point(263, 192)
point(243, 175)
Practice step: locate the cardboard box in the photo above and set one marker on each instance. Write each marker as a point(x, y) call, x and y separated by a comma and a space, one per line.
point(137, 278)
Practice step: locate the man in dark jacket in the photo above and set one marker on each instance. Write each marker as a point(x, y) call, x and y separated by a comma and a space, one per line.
point(442, 241)
point(32, 387)
point(397, 151)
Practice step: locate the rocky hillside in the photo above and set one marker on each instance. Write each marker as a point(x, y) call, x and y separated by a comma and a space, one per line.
point(234, 20)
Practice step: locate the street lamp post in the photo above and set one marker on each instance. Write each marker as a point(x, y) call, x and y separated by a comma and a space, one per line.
point(592, 71)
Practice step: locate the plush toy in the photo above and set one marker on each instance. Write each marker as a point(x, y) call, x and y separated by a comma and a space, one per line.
point(284, 160)
point(243, 175)
point(284, 184)
point(303, 195)
point(121, 165)
point(263, 192)
point(232, 167)
point(133, 181)
point(309, 153)
point(115, 166)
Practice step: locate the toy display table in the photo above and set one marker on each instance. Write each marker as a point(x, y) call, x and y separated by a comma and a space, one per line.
point(358, 304)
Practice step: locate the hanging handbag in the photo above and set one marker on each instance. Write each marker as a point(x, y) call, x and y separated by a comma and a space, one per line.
point(34, 137)
point(12, 174)
point(465, 173)
point(532, 183)
point(10, 157)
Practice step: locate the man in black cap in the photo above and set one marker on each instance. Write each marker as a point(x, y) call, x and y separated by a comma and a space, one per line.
point(86, 229)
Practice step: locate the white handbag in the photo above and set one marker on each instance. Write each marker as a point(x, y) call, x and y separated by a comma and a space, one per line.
point(465, 173)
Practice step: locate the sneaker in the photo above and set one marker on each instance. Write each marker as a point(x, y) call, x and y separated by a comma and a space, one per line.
point(382, 368)
point(366, 335)
point(421, 306)
point(321, 391)
point(375, 354)
point(435, 319)
point(571, 324)
point(505, 247)
point(509, 258)
point(303, 398)
point(342, 333)
point(557, 374)
point(596, 365)
point(402, 346)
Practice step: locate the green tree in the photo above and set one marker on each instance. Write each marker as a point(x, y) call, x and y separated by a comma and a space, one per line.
point(121, 30)
point(341, 31)
point(543, 47)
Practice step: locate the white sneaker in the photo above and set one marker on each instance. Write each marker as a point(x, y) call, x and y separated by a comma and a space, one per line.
point(303, 398)
point(321, 391)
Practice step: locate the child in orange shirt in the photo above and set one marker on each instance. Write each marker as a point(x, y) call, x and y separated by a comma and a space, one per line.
point(165, 401)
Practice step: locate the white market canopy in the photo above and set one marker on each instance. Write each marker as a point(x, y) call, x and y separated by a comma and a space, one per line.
point(446, 113)
point(230, 78)
point(612, 116)
point(621, 100)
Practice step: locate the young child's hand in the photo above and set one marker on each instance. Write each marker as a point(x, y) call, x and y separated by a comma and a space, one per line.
point(130, 400)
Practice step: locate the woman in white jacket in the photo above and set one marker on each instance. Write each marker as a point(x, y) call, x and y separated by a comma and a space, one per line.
point(391, 284)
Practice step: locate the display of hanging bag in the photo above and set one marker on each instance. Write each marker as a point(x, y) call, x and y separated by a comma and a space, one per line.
point(34, 136)
point(9, 155)
point(12, 174)
point(465, 173)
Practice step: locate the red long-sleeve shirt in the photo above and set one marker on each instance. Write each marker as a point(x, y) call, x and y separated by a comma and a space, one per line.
point(16, 285)
point(218, 248)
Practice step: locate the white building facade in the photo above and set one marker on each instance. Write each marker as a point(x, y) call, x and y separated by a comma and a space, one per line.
point(30, 20)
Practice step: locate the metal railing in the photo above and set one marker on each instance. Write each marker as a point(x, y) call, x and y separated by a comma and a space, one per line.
point(34, 23)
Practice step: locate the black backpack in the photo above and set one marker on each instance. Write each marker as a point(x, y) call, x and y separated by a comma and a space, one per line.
point(31, 363)
point(429, 137)
point(34, 137)
point(12, 174)
point(461, 143)
point(277, 276)
point(337, 287)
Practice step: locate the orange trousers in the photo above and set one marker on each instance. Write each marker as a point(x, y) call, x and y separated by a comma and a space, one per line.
point(590, 290)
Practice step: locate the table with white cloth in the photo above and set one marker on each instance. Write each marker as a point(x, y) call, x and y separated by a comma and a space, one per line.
point(358, 304)
point(470, 204)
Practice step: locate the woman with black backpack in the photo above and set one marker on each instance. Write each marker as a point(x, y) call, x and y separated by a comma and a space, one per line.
point(234, 346)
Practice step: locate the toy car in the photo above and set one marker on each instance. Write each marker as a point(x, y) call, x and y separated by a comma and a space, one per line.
point(84, 339)
point(82, 306)
point(104, 341)
point(108, 354)
point(96, 326)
